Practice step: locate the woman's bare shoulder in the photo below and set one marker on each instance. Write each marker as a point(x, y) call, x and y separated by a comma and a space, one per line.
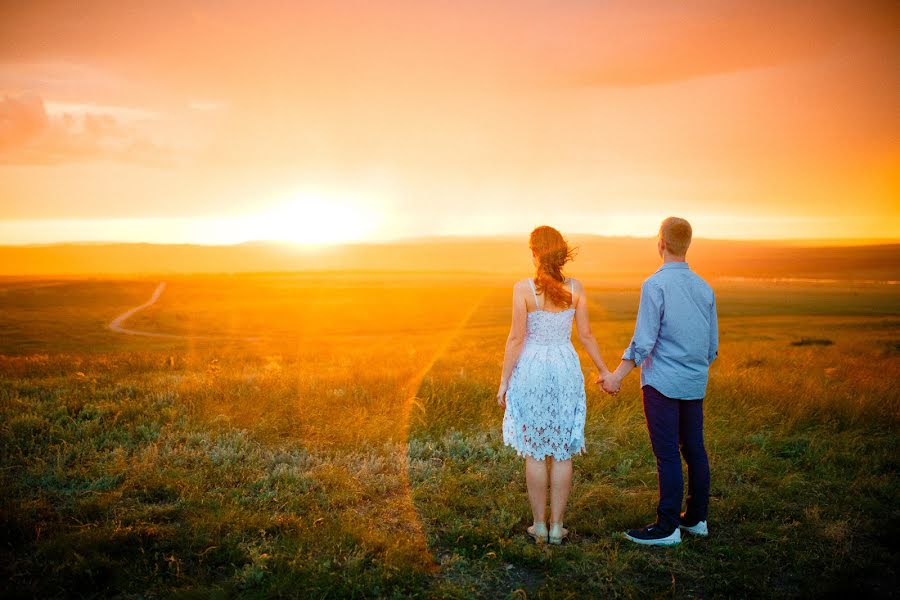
point(521, 287)
point(522, 283)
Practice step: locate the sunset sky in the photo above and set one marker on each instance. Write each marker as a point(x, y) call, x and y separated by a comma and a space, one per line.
point(317, 122)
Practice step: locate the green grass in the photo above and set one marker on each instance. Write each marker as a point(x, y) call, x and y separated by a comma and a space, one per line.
point(296, 466)
point(803, 449)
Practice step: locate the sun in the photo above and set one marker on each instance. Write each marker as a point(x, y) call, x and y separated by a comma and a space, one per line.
point(316, 219)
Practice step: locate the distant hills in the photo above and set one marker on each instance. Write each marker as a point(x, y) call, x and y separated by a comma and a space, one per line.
point(598, 256)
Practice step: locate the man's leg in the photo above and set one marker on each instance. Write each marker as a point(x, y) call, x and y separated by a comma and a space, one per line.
point(662, 415)
point(694, 452)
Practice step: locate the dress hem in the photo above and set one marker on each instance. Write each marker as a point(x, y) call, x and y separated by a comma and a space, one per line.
point(525, 454)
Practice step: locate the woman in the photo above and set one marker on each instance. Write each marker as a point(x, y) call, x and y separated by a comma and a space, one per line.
point(542, 386)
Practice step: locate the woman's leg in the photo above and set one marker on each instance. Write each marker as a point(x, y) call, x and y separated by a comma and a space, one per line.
point(560, 486)
point(536, 480)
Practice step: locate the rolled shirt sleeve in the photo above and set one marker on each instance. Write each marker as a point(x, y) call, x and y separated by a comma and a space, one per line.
point(646, 328)
point(713, 332)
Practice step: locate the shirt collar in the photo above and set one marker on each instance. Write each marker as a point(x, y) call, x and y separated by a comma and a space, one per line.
point(673, 265)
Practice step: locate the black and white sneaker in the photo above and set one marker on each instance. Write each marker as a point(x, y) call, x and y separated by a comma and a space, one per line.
point(695, 527)
point(654, 535)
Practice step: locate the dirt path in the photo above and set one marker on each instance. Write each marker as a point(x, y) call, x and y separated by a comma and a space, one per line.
point(116, 324)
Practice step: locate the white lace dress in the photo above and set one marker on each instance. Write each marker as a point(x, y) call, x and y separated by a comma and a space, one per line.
point(545, 400)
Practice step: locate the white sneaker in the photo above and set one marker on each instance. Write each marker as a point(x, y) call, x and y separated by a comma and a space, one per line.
point(699, 529)
point(653, 536)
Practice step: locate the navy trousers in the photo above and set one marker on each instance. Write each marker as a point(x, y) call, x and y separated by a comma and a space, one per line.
point(677, 425)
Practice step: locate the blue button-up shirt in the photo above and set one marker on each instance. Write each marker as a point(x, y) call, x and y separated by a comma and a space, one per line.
point(676, 336)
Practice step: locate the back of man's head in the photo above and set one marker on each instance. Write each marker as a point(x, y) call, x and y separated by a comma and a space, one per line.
point(676, 232)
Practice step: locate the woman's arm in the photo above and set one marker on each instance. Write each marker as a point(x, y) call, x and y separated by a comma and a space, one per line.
point(514, 341)
point(583, 327)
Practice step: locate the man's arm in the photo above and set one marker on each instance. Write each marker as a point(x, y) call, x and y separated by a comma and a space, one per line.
point(713, 332)
point(646, 330)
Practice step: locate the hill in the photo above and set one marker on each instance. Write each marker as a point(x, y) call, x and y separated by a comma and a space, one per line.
point(598, 256)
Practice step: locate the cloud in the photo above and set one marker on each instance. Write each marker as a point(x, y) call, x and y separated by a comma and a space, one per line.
point(677, 42)
point(21, 120)
point(257, 52)
point(31, 135)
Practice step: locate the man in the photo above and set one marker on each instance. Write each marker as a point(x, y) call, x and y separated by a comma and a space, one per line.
point(675, 339)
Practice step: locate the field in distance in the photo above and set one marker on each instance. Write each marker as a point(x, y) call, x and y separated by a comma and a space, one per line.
point(335, 434)
point(601, 258)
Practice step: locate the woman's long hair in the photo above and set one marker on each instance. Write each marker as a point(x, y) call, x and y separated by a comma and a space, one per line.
point(552, 252)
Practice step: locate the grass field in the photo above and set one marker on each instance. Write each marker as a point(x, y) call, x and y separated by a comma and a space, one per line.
point(336, 435)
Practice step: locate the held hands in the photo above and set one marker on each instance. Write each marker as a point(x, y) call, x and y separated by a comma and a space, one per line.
point(612, 385)
point(609, 383)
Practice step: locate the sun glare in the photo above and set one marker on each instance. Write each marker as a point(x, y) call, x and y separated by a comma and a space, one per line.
point(316, 219)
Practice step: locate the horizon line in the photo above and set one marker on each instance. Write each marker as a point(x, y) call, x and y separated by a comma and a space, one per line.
point(813, 241)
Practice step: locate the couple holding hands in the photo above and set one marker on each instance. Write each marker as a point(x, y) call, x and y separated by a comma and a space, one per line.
point(542, 386)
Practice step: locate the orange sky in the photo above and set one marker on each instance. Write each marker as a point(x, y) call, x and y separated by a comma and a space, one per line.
point(217, 122)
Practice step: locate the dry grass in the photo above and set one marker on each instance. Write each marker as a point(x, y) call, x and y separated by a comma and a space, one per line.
point(352, 449)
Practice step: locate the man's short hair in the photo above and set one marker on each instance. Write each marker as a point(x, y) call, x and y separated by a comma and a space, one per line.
point(677, 234)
